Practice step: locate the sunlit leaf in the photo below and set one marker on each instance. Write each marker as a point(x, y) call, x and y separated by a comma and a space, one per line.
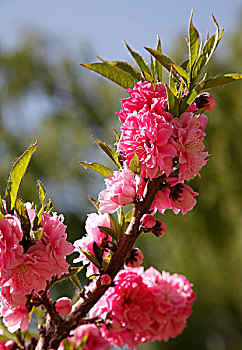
point(193, 43)
point(42, 196)
point(142, 64)
point(164, 60)
point(72, 271)
point(75, 280)
point(182, 73)
point(189, 98)
point(23, 216)
point(16, 175)
point(113, 73)
point(221, 80)
point(125, 67)
point(94, 202)
point(135, 165)
point(98, 167)
point(158, 66)
point(92, 258)
point(111, 154)
point(173, 102)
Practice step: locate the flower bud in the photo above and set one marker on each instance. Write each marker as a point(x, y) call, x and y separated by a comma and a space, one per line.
point(159, 229)
point(135, 258)
point(147, 221)
point(106, 280)
point(63, 306)
point(205, 100)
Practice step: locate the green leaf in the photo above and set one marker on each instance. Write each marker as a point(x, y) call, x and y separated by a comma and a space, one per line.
point(152, 67)
point(158, 66)
point(94, 202)
point(135, 165)
point(92, 258)
point(98, 167)
point(108, 231)
point(67, 345)
point(16, 175)
point(189, 98)
point(186, 66)
point(164, 60)
point(172, 84)
point(182, 73)
point(221, 80)
point(48, 207)
point(129, 216)
point(72, 271)
point(23, 216)
point(42, 196)
point(2, 210)
point(113, 223)
point(193, 42)
point(112, 73)
point(142, 64)
point(116, 135)
point(97, 253)
point(126, 67)
point(111, 154)
point(75, 280)
point(173, 102)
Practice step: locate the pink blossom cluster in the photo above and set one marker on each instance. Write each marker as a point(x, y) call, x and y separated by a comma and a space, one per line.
point(95, 340)
point(25, 270)
point(144, 306)
point(164, 144)
point(94, 234)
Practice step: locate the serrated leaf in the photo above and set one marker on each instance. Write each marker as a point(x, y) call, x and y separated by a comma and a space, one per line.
point(193, 42)
point(16, 175)
point(72, 271)
point(172, 85)
point(42, 196)
point(129, 216)
point(158, 66)
point(97, 253)
point(126, 67)
point(221, 80)
point(108, 231)
point(142, 64)
point(98, 167)
point(111, 154)
point(112, 73)
point(2, 210)
point(183, 74)
point(173, 102)
point(92, 258)
point(135, 165)
point(94, 202)
point(189, 98)
point(23, 216)
point(75, 280)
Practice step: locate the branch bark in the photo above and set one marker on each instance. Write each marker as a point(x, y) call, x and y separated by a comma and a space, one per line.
point(57, 329)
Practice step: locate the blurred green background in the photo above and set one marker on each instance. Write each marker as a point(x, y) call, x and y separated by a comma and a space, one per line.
point(45, 95)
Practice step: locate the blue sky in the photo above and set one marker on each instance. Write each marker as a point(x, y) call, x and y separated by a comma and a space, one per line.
point(105, 23)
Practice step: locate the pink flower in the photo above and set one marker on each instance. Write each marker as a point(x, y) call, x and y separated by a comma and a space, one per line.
point(106, 279)
point(121, 188)
point(10, 235)
point(144, 306)
point(147, 221)
point(54, 238)
point(179, 197)
point(135, 258)
point(93, 235)
point(6, 344)
point(63, 306)
point(149, 136)
point(188, 135)
point(95, 341)
point(15, 318)
point(143, 98)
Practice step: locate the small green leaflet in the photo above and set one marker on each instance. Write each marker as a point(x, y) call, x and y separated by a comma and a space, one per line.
point(92, 259)
point(98, 167)
point(16, 175)
point(42, 196)
point(111, 154)
point(108, 231)
point(221, 80)
point(113, 73)
point(142, 64)
point(193, 41)
point(158, 65)
point(135, 165)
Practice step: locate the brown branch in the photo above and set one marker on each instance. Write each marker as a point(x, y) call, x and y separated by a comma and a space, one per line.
point(56, 330)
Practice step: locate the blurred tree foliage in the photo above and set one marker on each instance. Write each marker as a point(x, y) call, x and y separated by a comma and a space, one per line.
point(51, 99)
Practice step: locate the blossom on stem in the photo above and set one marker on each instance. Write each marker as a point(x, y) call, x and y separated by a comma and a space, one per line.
point(63, 306)
point(188, 137)
point(121, 189)
point(149, 136)
point(15, 318)
point(144, 306)
point(135, 258)
point(95, 340)
point(94, 234)
point(144, 98)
